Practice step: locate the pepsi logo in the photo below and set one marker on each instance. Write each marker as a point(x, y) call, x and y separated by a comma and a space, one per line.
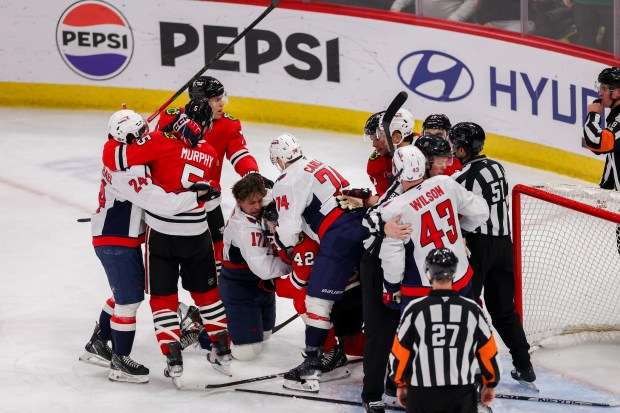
point(94, 39)
point(436, 75)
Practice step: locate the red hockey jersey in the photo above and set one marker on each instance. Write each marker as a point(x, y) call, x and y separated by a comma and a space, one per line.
point(379, 170)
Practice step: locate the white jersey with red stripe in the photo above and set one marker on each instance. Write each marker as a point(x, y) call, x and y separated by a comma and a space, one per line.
point(247, 248)
point(304, 195)
point(123, 196)
point(432, 208)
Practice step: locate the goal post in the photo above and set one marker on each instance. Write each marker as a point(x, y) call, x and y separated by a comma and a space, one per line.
point(567, 261)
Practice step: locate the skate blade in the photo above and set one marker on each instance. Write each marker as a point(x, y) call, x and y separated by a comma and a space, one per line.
point(483, 409)
point(529, 385)
point(95, 360)
point(177, 383)
point(222, 368)
point(336, 374)
point(121, 377)
point(311, 386)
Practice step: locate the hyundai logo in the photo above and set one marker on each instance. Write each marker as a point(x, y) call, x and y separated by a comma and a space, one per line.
point(435, 75)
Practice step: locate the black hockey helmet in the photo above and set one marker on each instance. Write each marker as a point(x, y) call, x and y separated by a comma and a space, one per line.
point(205, 87)
point(440, 264)
point(610, 76)
point(370, 128)
point(433, 145)
point(469, 136)
point(200, 112)
point(438, 121)
point(270, 212)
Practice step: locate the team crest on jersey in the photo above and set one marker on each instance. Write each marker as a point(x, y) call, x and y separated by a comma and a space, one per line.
point(374, 155)
point(172, 111)
point(231, 117)
point(170, 136)
point(302, 237)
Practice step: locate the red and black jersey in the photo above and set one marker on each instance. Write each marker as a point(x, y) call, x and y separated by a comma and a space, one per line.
point(379, 170)
point(455, 167)
point(173, 166)
point(226, 137)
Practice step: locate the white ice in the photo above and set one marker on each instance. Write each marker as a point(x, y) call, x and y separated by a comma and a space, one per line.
point(52, 288)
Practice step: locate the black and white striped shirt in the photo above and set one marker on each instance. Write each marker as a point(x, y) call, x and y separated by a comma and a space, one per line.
point(372, 220)
point(441, 340)
point(487, 178)
point(605, 141)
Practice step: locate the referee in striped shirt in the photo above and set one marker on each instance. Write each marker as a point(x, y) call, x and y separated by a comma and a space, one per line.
point(438, 341)
point(491, 245)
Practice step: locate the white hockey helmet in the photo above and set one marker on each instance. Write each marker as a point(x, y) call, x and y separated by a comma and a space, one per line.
point(285, 147)
point(126, 125)
point(402, 122)
point(408, 164)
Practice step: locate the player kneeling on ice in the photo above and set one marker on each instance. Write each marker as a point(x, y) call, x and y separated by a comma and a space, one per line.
point(304, 195)
point(248, 264)
point(440, 341)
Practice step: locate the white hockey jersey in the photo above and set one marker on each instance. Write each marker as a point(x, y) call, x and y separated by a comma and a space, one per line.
point(432, 208)
point(304, 195)
point(247, 250)
point(123, 196)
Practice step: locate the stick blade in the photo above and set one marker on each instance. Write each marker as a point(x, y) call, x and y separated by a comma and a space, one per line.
point(396, 104)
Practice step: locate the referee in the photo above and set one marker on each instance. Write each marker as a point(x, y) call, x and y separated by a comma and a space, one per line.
point(491, 245)
point(438, 341)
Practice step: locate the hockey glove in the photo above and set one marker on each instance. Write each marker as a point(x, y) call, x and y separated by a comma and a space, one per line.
point(206, 191)
point(391, 295)
point(190, 131)
point(351, 199)
point(267, 182)
point(268, 285)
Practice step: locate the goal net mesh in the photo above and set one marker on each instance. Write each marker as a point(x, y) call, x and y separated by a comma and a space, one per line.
point(569, 260)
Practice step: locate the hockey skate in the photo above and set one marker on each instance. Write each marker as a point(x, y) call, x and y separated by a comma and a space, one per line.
point(97, 350)
point(374, 407)
point(174, 361)
point(124, 369)
point(525, 376)
point(220, 357)
point(390, 397)
point(191, 325)
point(334, 364)
point(306, 376)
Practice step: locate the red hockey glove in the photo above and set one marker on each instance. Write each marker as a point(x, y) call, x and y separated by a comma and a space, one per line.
point(391, 295)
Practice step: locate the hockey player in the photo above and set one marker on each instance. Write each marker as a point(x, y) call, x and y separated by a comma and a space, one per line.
point(438, 154)
point(248, 259)
point(180, 245)
point(607, 140)
point(491, 245)
point(432, 207)
point(304, 195)
point(226, 137)
point(440, 125)
point(441, 340)
point(118, 231)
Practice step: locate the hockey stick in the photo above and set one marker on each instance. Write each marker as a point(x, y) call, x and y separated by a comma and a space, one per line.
point(83, 220)
point(314, 398)
point(396, 104)
point(284, 323)
point(273, 5)
point(551, 400)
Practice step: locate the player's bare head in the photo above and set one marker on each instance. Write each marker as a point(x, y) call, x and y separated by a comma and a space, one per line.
point(408, 164)
point(125, 126)
point(249, 192)
point(437, 124)
point(440, 264)
point(469, 136)
point(284, 150)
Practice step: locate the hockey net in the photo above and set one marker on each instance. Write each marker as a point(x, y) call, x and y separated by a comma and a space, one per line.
point(567, 263)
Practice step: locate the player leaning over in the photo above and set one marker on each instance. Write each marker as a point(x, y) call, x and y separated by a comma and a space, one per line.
point(248, 259)
point(118, 230)
point(439, 124)
point(226, 137)
point(304, 195)
point(180, 245)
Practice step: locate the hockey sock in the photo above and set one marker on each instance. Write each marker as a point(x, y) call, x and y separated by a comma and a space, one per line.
point(104, 319)
point(354, 345)
point(315, 337)
point(166, 320)
point(330, 341)
point(123, 325)
point(211, 311)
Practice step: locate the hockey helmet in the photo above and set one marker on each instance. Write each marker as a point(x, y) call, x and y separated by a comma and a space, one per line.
point(285, 147)
point(438, 121)
point(402, 122)
point(433, 145)
point(440, 264)
point(408, 164)
point(125, 126)
point(370, 128)
point(206, 87)
point(469, 136)
point(610, 76)
point(199, 110)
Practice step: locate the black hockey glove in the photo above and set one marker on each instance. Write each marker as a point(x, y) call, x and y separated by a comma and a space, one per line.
point(206, 191)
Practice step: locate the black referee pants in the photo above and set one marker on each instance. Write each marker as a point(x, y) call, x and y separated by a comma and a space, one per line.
point(443, 399)
point(380, 324)
point(493, 265)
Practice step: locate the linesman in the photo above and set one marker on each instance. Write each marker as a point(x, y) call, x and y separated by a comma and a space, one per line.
point(439, 339)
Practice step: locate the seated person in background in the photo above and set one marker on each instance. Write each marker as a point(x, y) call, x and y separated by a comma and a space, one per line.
point(502, 14)
point(248, 259)
point(590, 16)
point(456, 10)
